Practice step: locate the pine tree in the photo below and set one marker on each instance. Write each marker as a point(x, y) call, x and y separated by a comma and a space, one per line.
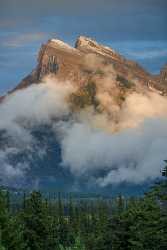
point(1, 246)
point(4, 216)
point(78, 245)
point(14, 234)
point(36, 222)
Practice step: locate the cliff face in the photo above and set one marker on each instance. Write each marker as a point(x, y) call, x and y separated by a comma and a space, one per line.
point(163, 75)
point(88, 60)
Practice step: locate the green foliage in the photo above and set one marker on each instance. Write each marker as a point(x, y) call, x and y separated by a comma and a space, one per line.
point(14, 235)
point(3, 210)
point(122, 98)
point(145, 233)
point(117, 224)
point(99, 72)
point(1, 247)
point(11, 229)
point(36, 222)
point(78, 245)
point(125, 82)
point(84, 97)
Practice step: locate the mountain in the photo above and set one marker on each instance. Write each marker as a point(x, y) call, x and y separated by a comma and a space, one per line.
point(103, 83)
point(68, 63)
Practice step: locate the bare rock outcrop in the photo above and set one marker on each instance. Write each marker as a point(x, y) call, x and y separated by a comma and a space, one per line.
point(70, 64)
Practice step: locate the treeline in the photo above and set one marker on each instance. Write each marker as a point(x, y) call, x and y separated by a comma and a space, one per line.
point(103, 224)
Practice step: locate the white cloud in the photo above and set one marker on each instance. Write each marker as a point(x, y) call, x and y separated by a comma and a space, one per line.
point(37, 104)
point(133, 155)
point(10, 173)
point(129, 146)
point(33, 106)
point(133, 149)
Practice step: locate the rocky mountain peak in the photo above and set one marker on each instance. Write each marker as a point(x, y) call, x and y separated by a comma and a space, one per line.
point(87, 44)
point(67, 63)
point(59, 44)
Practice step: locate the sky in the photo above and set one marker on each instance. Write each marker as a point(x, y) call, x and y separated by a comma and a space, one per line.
point(136, 29)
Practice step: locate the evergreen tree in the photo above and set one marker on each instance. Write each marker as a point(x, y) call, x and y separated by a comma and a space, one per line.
point(36, 222)
point(14, 235)
point(4, 216)
point(126, 224)
point(78, 245)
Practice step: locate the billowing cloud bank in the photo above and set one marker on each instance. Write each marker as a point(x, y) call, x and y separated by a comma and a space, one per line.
point(131, 148)
point(34, 106)
point(133, 155)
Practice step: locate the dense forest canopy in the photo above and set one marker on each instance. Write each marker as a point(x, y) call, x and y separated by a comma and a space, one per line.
point(123, 223)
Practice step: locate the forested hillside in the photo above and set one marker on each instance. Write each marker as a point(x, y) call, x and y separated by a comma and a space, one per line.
point(123, 223)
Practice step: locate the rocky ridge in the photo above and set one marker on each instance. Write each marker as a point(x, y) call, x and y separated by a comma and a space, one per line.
point(66, 63)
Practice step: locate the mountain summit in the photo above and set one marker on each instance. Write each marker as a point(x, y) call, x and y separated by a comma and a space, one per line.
point(85, 60)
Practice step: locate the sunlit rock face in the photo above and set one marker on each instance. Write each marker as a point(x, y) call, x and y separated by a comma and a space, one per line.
point(73, 64)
